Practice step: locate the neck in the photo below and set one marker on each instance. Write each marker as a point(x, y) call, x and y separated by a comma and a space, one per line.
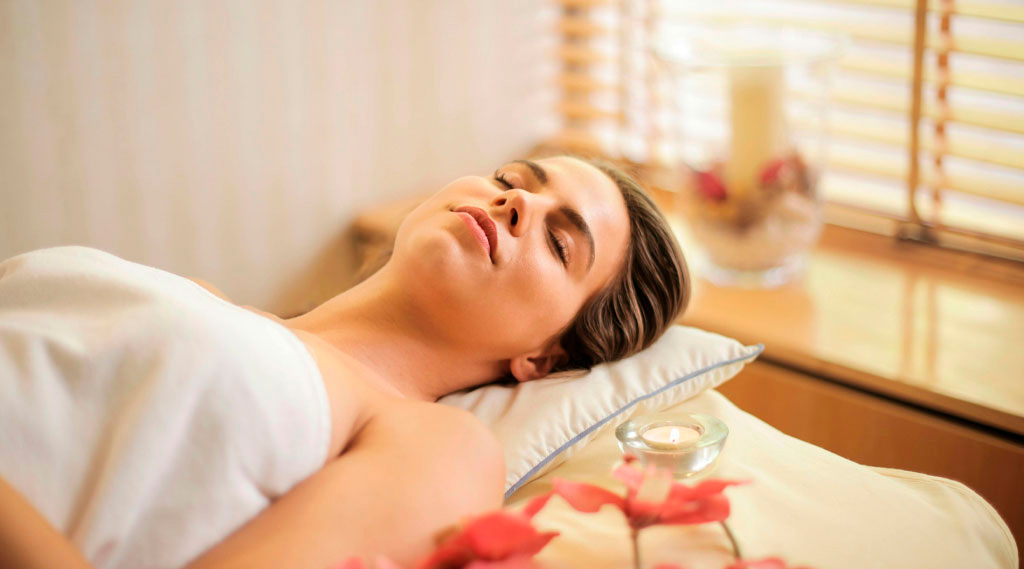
point(393, 343)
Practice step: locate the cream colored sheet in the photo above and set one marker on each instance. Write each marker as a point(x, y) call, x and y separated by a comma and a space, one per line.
point(805, 504)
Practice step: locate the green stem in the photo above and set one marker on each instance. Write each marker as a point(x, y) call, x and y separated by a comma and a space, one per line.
point(635, 535)
point(735, 545)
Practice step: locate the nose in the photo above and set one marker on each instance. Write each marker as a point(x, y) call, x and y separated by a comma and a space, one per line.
point(518, 208)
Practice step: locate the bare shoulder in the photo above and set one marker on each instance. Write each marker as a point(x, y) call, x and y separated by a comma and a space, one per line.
point(448, 450)
point(433, 464)
point(442, 425)
point(438, 437)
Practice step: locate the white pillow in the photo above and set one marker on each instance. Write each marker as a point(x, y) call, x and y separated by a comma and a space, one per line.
point(542, 423)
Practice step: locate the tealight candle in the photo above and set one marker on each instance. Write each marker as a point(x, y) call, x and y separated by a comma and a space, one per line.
point(686, 444)
point(670, 437)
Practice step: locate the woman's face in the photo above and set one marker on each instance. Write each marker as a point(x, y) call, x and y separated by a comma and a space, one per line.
point(504, 263)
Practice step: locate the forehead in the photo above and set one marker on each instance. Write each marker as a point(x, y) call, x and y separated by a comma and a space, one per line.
point(597, 198)
point(576, 177)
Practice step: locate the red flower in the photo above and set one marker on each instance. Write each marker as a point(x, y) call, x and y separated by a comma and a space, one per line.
point(586, 497)
point(519, 562)
point(766, 563)
point(652, 498)
point(351, 563)
point(771, 172)
point(498, 540)
point(710, 185)
point(357, 563)
point(697, 505)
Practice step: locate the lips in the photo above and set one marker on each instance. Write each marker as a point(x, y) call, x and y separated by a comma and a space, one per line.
point(485, 223)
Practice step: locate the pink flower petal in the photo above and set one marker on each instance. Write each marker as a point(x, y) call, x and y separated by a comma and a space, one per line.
point(586, 497)
point(711, 509)
point(770, 173)
point(630, 476)
point(654, 486)
point(700, 504)
point(494, 536)
point(518, 562)
point(710, 186)
point(350, 563)
point(536, 504)
point(644, 514)
point(766, 563)
point(385, 563)
point(715, 486)
point(500, 535)
point(453, 552)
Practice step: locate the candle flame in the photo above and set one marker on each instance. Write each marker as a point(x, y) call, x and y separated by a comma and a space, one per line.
point(674, 437)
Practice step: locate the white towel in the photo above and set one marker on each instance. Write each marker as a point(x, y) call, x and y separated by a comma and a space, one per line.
point(144, 417)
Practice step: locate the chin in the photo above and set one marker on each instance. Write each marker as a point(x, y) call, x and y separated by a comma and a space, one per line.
point(440, 266)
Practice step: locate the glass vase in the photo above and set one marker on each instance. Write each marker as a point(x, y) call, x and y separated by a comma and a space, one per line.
point(749, 108)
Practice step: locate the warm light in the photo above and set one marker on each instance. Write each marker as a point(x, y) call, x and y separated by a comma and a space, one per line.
point(669, 437)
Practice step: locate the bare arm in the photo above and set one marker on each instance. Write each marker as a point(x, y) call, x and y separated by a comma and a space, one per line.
point(407, 476)
point(28, 541)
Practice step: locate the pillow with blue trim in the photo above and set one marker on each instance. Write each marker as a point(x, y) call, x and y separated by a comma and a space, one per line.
point(542, 423)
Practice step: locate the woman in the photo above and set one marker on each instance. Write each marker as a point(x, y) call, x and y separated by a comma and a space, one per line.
point(548, 265)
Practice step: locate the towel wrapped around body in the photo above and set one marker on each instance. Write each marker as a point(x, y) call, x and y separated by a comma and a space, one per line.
point(144, 417)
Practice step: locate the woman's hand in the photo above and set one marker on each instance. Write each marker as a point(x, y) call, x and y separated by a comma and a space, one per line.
point(28, 541)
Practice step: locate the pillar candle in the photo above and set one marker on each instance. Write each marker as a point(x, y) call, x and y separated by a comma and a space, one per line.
point(757, 126)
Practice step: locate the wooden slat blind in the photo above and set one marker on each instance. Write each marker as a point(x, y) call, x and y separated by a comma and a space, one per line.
point(926, 137)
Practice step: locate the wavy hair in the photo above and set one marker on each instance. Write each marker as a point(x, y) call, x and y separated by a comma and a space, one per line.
point(646, 296)
point(648, 293)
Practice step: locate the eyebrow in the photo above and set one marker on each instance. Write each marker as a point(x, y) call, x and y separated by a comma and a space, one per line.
point(570, 214)
point(538, 171)
point(580, 224)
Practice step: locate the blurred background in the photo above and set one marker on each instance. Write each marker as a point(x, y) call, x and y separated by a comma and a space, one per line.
point(858, 207)
point(235, 141)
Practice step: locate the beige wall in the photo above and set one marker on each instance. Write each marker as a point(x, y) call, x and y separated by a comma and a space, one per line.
point(234, 141)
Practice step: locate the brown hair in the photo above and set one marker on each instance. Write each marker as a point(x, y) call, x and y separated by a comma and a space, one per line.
point(650, 291)
point(632, 311)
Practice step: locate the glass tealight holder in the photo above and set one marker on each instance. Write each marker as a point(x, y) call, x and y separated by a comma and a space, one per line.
point(686, 444)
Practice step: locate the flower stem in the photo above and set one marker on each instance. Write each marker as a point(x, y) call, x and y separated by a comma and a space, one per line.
point(635, 535)
point(735, 544)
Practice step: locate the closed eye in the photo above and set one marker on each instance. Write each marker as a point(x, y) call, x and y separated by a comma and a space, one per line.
point(500, 177)
point(560, 247)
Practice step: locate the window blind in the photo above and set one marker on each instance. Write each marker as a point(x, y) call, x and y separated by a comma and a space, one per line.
point(926, 122)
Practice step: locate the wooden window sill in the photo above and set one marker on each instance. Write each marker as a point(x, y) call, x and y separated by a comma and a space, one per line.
point(933, 328)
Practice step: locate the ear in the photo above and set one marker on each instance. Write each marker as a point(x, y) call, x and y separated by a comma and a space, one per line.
point(529, 367)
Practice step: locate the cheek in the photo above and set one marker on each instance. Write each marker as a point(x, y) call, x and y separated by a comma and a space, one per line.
point(545, 299)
